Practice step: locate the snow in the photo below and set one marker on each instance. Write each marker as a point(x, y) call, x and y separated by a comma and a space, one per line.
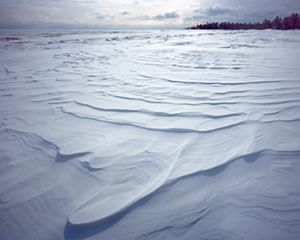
point(149, 135)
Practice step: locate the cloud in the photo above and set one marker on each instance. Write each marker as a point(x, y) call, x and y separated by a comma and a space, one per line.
point(237, 13)
point(135, 3)
point(168, 15)
point(160, 17)
point(144, 17)
point(214, 13)
point(241, 11)
point(100, 16)
point(217, 9)
point(125, 13)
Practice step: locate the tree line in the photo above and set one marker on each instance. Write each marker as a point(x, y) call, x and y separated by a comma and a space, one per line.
point(286, 23)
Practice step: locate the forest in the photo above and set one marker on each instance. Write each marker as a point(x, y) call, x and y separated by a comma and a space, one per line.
point(286, 23)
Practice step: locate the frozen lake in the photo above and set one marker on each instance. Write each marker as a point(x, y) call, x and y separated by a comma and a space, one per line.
point(150, 135)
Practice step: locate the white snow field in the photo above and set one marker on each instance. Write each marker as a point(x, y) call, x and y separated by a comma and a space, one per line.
point(123, 135)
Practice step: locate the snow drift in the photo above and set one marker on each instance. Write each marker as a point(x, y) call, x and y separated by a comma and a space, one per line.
point(150, 135)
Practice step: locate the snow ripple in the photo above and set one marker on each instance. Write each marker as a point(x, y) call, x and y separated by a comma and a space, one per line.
point(150, 135)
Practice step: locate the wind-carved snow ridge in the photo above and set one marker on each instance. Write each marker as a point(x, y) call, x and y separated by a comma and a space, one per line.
point(150, 135)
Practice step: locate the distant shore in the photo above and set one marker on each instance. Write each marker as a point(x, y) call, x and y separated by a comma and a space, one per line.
point(291, 22)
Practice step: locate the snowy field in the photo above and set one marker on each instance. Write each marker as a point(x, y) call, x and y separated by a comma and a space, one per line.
point(150, 135)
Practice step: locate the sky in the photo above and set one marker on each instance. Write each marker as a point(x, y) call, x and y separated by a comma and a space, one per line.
point(137, 13)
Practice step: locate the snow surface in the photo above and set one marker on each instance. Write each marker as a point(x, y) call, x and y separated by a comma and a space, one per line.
point(150, 135)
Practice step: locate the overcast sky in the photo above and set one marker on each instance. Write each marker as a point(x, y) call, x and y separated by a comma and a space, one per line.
point(137, 13)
